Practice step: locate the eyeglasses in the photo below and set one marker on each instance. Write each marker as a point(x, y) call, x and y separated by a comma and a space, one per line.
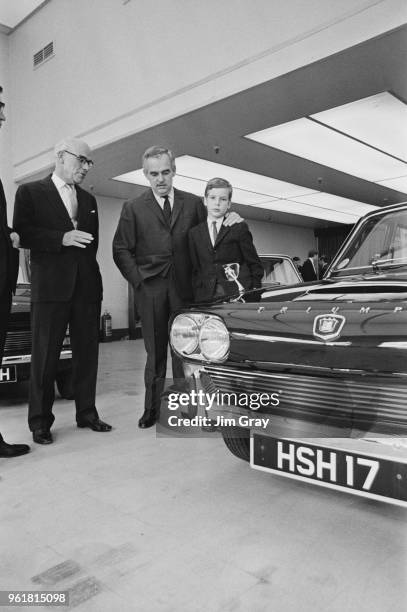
point(82, 159)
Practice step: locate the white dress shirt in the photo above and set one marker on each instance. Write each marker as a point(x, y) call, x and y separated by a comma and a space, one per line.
point(210, 227)
point(160, 199)
point(68, 196)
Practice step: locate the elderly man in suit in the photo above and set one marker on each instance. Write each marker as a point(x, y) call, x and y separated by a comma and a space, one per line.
point(58, 221)
point(150, 248)
point(9, 242)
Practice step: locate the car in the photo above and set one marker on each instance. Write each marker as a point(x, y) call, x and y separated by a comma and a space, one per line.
point(15, 366)
point(279, 269)
point(309, 381)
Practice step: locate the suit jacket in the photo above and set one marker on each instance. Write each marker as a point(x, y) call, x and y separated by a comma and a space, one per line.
point(8, 255)
point(41, 219)
point(145, 245)
point(307, 271)
point(233, 244)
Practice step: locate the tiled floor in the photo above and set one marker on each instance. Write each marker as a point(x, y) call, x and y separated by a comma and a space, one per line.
point(127, 521)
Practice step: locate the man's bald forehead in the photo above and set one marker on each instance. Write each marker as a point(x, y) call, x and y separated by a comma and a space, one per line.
point(80, 147)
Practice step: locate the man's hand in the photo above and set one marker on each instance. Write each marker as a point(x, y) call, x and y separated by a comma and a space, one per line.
point(232, 218)
point(76, 238)
point(15, 240)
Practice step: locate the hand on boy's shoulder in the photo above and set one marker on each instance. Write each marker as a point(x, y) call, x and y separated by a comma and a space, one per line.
point(232, 218)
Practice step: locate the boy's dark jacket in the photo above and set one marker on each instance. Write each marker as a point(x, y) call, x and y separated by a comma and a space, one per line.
point(234, 244)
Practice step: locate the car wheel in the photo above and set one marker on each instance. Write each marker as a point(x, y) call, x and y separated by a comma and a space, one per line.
point(237, 439)
point(64, 384)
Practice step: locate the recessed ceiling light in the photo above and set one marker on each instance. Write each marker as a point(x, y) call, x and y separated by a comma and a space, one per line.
point(309, 210)
point(379, 121)
point(318, 143)
point(257, 190)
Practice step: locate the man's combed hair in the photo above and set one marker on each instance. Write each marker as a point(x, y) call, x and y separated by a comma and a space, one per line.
point(312, 253)
point(219, 183)
point(158, 151)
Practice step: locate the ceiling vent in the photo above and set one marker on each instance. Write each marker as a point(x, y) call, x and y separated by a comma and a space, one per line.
point(44, 54)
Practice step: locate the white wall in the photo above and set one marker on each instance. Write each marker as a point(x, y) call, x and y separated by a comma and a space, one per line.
point(114, 285)
point(282, 239)
point(120, 68)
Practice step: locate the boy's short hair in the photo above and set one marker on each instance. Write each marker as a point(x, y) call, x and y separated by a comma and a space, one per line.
point(218, 183)
point(312, 253)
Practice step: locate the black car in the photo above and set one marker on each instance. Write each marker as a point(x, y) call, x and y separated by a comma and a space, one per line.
point(15, 366)
point(310, 381)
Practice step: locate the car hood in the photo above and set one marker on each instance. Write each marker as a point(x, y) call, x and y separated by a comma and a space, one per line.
point(290, 326)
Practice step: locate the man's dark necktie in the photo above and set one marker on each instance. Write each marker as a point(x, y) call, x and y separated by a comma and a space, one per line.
point(214, 232)
point(167, 209)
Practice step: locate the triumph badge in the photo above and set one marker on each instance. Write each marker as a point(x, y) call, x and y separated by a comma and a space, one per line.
point(328, 326)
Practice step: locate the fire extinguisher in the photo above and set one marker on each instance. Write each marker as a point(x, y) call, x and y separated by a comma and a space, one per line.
point(107, 335)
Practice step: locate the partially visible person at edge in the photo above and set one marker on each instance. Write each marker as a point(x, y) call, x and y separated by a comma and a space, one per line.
point(58, 221)
point(9, 243)
point(213, 245)
point(150, 248)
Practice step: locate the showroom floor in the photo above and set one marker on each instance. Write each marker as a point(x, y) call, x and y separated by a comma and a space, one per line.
point(127, 521)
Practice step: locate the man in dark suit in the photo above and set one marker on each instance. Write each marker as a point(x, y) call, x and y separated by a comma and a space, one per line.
point(58, 221)
point(212, 245)
point(309, 268)
point(8, 280)
point(150, 248)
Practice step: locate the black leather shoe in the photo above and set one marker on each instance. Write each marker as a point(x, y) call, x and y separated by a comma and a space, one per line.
point(147, 420)
point(96, 425)
point(42, 436)
point(13, 450)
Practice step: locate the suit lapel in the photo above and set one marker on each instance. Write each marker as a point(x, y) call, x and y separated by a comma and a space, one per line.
point(52, 195)
point(155, 208)
point(205, 237)
point(222, 233)
point(81, 204)
point(177, 208)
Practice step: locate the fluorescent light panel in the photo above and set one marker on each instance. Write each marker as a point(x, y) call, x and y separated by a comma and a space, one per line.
point(257, 190)
point(309, 210)
point(320, 144)
point(380, 121)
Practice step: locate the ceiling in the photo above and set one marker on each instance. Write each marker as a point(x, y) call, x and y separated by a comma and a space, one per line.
point(217, 132)
point(12, 12)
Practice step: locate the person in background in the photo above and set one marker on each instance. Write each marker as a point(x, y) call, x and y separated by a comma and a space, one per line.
point(212, 244)
point(58, 221)
point(297, 263)
point(310, 267)
point(9, 243)
point(150, 248)
point(322, 265)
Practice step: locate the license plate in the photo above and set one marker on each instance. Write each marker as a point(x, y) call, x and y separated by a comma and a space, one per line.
point(368, 475)
point(8, 374)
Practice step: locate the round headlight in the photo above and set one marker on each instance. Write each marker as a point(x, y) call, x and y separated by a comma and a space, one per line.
point(214, 340)
point(184, 335)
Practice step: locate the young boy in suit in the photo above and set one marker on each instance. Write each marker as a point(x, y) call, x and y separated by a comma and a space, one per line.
point(212, 244)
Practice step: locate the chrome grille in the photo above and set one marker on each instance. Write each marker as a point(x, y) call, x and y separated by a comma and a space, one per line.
point(371, 401)
point(18, 342)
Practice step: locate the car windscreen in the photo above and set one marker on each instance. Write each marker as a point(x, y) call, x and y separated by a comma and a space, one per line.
point(380, 245)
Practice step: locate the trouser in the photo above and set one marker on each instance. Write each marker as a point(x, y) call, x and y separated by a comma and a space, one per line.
point(5, 303)
point(156, 300)
point(49, 321)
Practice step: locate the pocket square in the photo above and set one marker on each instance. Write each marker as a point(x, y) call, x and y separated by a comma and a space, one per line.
point(93, 211)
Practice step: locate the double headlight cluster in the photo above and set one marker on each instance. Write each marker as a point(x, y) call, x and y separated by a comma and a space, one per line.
point(200, 336)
